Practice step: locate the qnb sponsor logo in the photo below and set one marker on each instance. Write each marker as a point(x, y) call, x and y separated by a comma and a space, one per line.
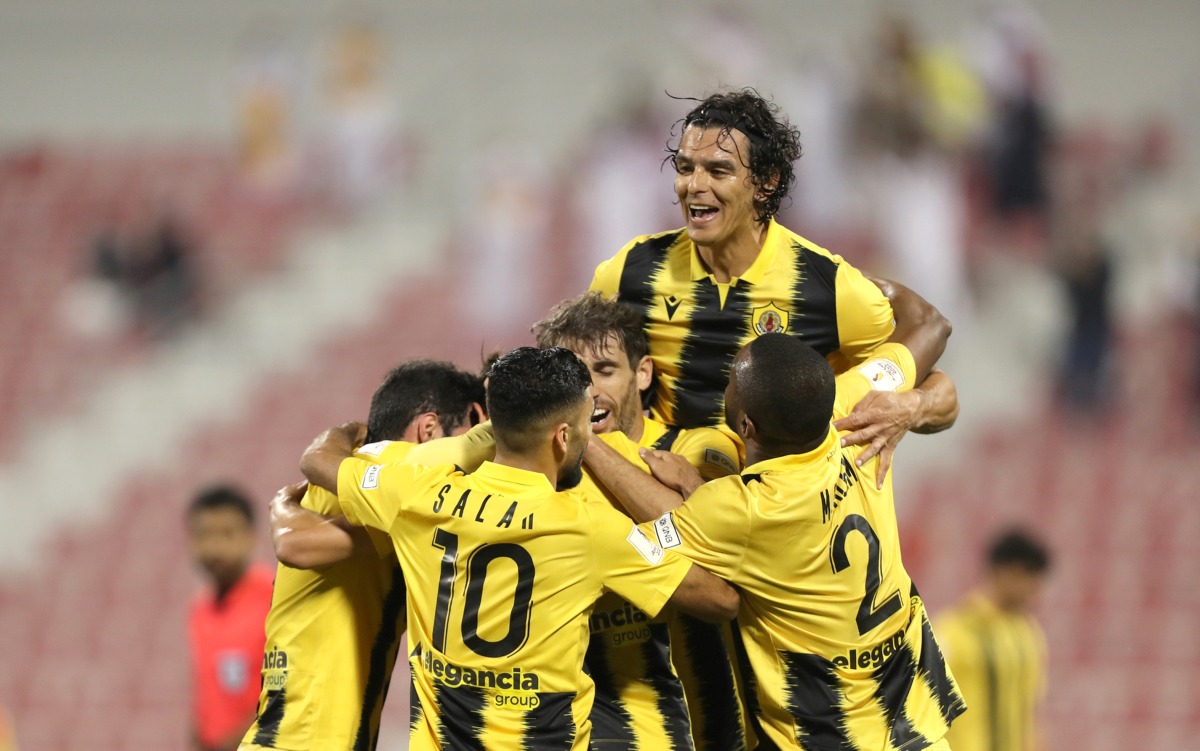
point(871, 658)
point(456, 675)
point(626, 615)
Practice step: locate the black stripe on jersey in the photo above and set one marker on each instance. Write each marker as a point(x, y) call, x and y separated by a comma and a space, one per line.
point(270, 717)
point(383, 657)
point(814, 300)
point(550, 726)
point(668, 691)
point(415, 711)
point(666, 440)
point(460, 716)
point(934, 671)
point(713, 339)
point(750, 694)
point(814, 699)
point(894, 681)
point(610, 720)
point(722, 727)
point(642, 264)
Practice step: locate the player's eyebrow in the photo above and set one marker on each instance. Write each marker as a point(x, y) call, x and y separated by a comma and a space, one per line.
point(606, 363)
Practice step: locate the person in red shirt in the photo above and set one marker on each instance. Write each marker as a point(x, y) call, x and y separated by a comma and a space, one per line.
point(225, 623)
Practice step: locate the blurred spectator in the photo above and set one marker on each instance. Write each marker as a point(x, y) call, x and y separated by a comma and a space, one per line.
point(265, 85)
point(1085, 266)
point(997, 651)
point(361, 119)
point(225, 623)
point(919, 107)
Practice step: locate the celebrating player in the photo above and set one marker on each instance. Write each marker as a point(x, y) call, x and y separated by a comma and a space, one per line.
point(733, 273)
point(503, 569)
point(332, 633)
point(832, 637)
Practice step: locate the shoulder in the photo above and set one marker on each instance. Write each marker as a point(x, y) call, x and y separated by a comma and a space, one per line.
point(708, 446)
point(637, 257)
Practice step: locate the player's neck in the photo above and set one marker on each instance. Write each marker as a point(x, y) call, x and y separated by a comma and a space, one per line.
point(542, 464)
point(736, 254)
point(637, 430)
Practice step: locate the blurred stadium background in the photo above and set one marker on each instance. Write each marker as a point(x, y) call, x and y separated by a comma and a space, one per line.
point(221, 223)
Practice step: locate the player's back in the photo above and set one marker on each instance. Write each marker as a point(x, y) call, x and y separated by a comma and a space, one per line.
point(332, 636)
point(503, 573)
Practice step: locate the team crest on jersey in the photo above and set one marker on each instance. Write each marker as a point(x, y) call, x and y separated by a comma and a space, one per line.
point(770, 319)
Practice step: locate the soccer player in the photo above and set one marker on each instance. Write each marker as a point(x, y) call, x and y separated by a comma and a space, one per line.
point(832, 638)
point(997, 650)
point(333, 633)
point(225, 623)
point(733, 273)
point(633, 659)
point(505, 565)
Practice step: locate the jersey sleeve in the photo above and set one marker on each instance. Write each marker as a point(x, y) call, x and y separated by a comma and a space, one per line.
point(629, 562)
point(372, 495)
point(466, 451)
point(607, 278)
point(864, 315)
point(323, 502)
point(890, 367)
point(712, 528)
point(713, 453)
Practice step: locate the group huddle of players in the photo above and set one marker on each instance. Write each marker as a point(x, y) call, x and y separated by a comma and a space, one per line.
point(721, 573)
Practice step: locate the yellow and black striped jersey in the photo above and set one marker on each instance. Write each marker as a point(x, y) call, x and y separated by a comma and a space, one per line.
point(332, 637)
point(503, 573)
point(640, 701)
point(999, 661)
point(696, 325)
point(833, 642)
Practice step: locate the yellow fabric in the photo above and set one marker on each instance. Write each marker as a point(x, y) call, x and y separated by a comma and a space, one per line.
point(833, 640)
point(999, 660)
point(332, 636)
point(696, 325)
point(502, 575)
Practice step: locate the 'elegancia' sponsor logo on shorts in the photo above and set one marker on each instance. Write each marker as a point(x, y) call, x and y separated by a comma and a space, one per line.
point(871, 658)
point(456, 675)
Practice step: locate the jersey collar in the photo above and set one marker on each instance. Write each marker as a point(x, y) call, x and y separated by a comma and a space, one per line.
point(522, 478)
point(826, 453)
point(757, 270)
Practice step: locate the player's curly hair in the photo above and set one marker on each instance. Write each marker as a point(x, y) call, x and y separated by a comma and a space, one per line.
point(589, 321)
point(774, 142)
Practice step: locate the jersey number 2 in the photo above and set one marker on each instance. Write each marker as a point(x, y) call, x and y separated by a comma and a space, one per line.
point(477, 568)
point(869, 616)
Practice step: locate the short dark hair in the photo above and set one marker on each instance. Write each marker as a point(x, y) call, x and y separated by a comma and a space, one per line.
point(222, 496)
point(774, 142)
point(528, 387)
point(588, 321)
point(1017, 547)
point(419, 386)
point(787, 390)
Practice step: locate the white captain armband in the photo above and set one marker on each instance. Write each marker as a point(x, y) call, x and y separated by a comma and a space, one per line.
point(883, 375)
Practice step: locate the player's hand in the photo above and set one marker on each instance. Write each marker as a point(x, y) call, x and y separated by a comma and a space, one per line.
point(672, 470)
point(355, 432)
point(878, 422)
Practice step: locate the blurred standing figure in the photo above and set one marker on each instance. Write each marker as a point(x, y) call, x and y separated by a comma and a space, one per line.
point(225, 623)
point(997, 651)
point(1086, 270)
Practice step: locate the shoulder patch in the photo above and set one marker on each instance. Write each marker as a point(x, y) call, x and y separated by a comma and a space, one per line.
point(374, 449)
point(720, 459)
point(645, 546)
point(664, 530)
point(884, 375)
point(370, 480)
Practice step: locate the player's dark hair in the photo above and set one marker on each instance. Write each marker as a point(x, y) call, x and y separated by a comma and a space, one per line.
point(589, 321)
point(1018, 548)
point(774, 142)
point(222, 496)
point(418, 386)
point(787, 390)
point(530, 387)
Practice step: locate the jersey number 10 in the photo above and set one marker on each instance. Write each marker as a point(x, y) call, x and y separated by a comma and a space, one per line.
point(477, 568)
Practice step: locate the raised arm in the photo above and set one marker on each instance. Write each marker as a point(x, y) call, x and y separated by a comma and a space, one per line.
point(919, 326)
point(323, 457)
point(643, 497)
point(305, 539)
point(706, 596)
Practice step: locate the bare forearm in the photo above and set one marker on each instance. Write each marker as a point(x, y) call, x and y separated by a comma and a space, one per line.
point(939, 404)
point(706, 596)
point(643, 497)
point(305, 539)
point(324, 455)
point(919, 326)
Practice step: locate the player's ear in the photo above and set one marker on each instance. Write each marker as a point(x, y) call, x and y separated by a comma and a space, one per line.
point(427, 427)
point(746, 428)
point(562, 439)
point(644, 373)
